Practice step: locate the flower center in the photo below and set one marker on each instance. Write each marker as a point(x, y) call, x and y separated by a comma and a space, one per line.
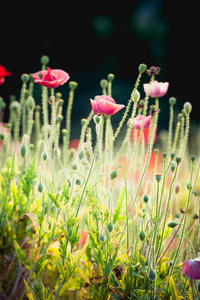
point(49, 76)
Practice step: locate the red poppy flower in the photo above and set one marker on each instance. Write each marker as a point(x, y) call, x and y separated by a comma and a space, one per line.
point(191, 268)
point(3, 74)
point(51, 78)
point(105, 105)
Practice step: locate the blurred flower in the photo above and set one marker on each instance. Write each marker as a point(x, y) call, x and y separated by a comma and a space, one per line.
point(105, 105)
point(137, 122)
point(157, 89)
point(82, 239)
point(51, 78)
point(3, 74)
point(191, 268)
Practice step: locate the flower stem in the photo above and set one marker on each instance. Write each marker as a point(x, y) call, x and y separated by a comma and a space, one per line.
point(184, 223)
point(90, 171)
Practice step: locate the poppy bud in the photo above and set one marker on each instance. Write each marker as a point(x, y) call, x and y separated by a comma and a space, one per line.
point(61, 102)
point(102, 238)
point(192, 157)
point(64, 132)
point(2, 136)
point(58, 95)
point(145, 198)
point(23, 150)
point(172, 101)
point(44, 60)
point(113, 175)
point(178, 160)
point(110, 227)
point(74, 167)
point(173, 166)
point(142, 235)
point(158, 177)
point(78, 181)
point(187, 107)
point(15, 105)
point(38, 108)
point(152, 274)
point(40, 187)
point(172, 224)
point(104, 83)
point(142, 68)
point(44, 156)
point(83, 121)
point(73, 85)
point(111, 77)
point(136, 96)
point(81, 154)
point(59, 118)
point(30, 103)
point(180, 116)
point(97, 119)
point(25, 77)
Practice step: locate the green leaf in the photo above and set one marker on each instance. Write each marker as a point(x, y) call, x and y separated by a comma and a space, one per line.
point(21, 255)
point(117, 211)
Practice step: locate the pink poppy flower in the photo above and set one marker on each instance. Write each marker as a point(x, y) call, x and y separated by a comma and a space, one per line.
point(3, 74)
point(51, 78)
point(105, 105)
point(191, 268)
point(157, 89)
point(137, 122)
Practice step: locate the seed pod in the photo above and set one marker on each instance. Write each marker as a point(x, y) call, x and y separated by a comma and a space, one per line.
point(40, 187)
point(142, 68)
point(142, 235)
point(110, 227)
point(113, 175)
point(102, 237)
point(145, 198)
point(152, 274)
point(172, 224)
point(23, 150)
point(78, 181)
point(81, 154)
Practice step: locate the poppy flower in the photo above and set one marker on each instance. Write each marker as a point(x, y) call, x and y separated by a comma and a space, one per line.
point(157, 89)
point(105, 105)
point(51, 78)
point(3, 74)
point(82, 240)
point(191, 268)
point(137, 122)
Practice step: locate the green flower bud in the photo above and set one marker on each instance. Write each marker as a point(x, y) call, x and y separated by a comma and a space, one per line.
point(15, 105)
point(74, 167)
point(110, 227)
point(103, 83)
point(173, 166)
point(44, 156)
point(136, 96)
point(172, 224)
point(30, 103)
point(172, 155)
point(111, 77)
point(61, 102)
point(2, 136)
point(64, 132)
point(73, 85)
point(192, 157)
point(142, 68)
point(59, 118)
point(83, 121)
point(158, 177)
point(40, 187)
point(178, 160)
point(25, 77)
point(37, 108)
point(187, 107)
point(172, 101)
point(142, 235)
point(58, 95)
point(180, 116)
point(44, 60)
point(23, 150)
point(78, 181)
point(113, 175)
point(81, 154)
point(145, 198)
point(97, 119)
point(102, 238)
point(152, 274)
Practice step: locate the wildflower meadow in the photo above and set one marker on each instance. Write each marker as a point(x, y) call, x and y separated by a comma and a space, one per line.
point(112, 215)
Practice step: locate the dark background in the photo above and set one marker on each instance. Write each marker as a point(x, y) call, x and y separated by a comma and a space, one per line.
point(91, 40)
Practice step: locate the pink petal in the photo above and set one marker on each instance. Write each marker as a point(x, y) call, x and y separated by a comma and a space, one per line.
point(107, 107)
